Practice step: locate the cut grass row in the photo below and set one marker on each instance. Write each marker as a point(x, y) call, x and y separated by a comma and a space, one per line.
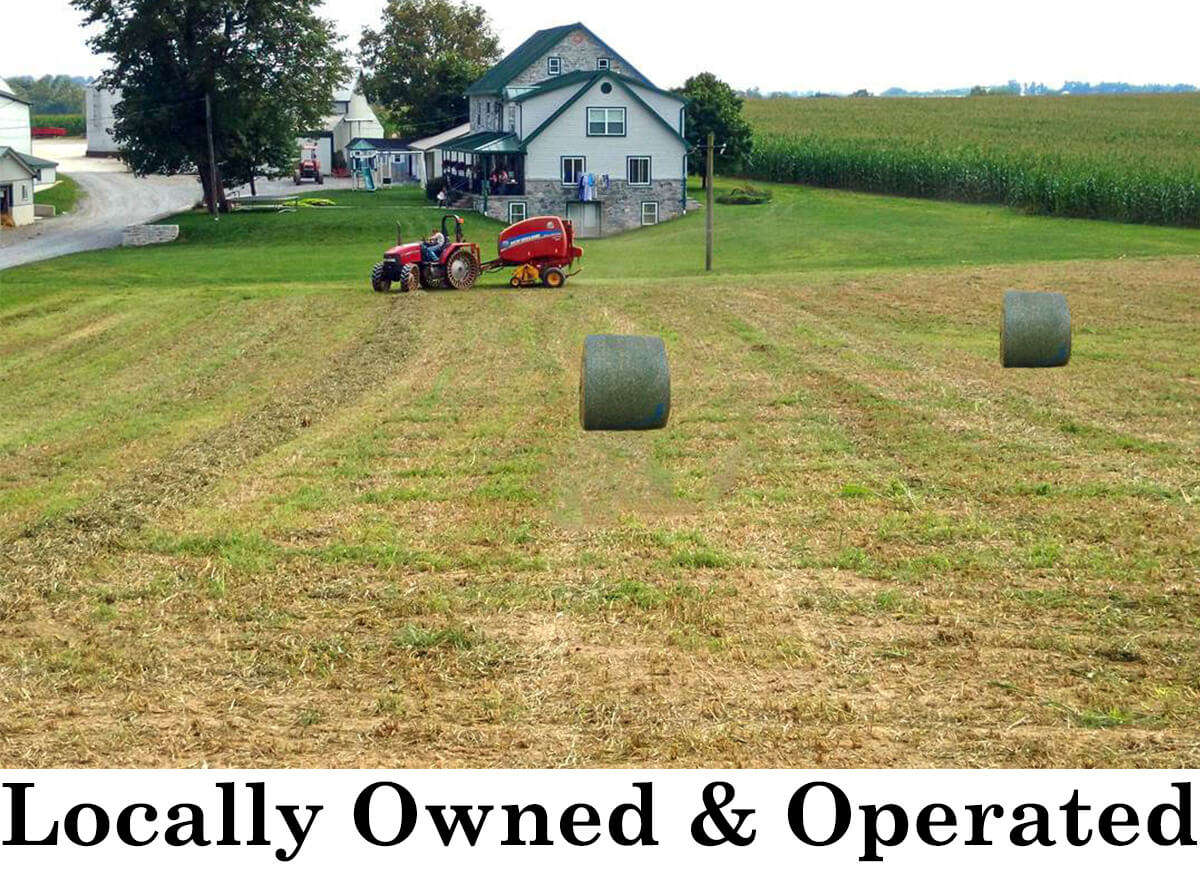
point(1129, 158)
point(280, 518)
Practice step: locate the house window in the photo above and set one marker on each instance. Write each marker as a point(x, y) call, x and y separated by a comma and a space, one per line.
point(649, 213)
point(516, 211)
point(512, 116)
point(638, 171)
point(553, 66)
point(606, 122)
point(24, 193)
point(602, 63)
point(572, 169)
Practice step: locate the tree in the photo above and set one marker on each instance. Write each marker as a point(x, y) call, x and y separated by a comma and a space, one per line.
point(713, 107)
point(268, 67)
point(419, 64)
point(50, 95)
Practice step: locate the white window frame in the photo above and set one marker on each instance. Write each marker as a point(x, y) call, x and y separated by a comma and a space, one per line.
point(604, 63)
point(513, 205)
point(607, 120)
point(629, 170)
point(554, 65)
point(562, 169)
point(646, 203)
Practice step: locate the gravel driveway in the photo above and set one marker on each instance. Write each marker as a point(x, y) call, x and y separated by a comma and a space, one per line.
point(114, 198)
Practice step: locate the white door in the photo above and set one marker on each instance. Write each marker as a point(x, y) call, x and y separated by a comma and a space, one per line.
point(585, 217)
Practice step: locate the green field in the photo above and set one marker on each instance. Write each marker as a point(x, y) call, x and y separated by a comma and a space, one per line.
point(253, 514)
point(74, 123)
point(1127, 158)
point(62, 196)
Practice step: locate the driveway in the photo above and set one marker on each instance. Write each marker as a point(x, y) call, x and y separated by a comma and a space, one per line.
point(113, 199)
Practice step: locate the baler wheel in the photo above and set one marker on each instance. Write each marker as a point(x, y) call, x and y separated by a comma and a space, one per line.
point(462, 269)
point(553, 277)
point(379, 283)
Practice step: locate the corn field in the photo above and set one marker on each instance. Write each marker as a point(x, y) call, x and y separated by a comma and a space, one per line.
point(1129, 158)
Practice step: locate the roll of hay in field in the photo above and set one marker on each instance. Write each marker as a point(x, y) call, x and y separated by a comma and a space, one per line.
point(624, 383)
point(1035, 329)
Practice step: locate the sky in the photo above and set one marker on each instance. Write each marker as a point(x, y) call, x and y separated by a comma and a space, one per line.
point(783, 46)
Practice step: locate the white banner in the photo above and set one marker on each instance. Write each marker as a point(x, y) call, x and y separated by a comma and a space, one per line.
point(635, 819)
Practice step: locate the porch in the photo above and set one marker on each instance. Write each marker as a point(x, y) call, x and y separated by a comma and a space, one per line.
point(484, 164)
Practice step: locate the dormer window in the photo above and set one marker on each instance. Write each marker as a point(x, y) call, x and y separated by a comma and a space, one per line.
point(602, 63)
point(554, 66)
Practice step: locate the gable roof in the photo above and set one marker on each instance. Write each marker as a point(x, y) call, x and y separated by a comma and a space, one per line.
point(9, 151)
point(593, 79)
point(528, 52)
point(554, 83)
point(4, 92)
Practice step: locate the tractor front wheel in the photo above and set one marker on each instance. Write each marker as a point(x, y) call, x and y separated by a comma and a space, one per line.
point(379, 281)
point(462, 269)
point(554, 277)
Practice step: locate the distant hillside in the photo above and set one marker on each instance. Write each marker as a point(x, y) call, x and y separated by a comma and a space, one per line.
point(50, 95)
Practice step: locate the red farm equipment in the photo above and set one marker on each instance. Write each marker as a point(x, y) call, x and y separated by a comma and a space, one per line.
point(308, 168)
point(540, 250)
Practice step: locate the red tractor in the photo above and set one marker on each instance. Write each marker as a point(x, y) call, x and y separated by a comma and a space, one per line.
point(410, 266)
point(308, 168)
point(540, 250)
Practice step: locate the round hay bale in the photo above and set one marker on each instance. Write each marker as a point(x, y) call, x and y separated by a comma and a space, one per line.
point(624, 383)
point(1035, 329)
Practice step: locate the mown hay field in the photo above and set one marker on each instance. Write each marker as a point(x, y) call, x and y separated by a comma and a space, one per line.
point(252, 514)
point(1133, 158)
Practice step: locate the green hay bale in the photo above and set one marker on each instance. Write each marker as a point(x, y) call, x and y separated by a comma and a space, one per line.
point(624, 383)
point(1035, 329)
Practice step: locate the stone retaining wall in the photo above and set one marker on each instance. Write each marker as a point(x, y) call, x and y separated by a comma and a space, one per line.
point(149, 234)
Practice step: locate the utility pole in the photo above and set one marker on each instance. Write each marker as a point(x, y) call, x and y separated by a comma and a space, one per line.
point(708, 209)
point(212, 160)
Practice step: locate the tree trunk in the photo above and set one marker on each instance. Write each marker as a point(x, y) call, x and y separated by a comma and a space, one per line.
point(253, 192)
point(205, 180)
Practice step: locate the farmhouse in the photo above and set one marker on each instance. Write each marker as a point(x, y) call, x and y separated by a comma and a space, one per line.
point(566, 126)
point(20, 171)
point(350, 117)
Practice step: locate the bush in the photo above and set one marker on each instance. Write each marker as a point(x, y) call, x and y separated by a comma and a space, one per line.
point(747, 196)
point(74, 124)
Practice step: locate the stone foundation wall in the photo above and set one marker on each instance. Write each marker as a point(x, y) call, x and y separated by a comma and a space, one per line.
point(620, 204)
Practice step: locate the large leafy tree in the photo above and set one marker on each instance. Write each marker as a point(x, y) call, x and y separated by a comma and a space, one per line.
point(714, 107)
point(419, 63)
point(268, 68)
point(50, 95)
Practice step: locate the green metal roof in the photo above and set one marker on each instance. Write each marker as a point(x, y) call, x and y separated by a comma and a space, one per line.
point(529, 52)
point(583, 90)
point(38, 163)
point(579, 76)
point(486, 142)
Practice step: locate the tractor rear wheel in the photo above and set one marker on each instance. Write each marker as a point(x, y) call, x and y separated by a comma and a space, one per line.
point(554, 277)
point(462, 269)
point(410, 279)
point(318, 178)
point(379, 281)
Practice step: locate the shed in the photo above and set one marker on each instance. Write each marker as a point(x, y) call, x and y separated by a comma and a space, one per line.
point(392, 161)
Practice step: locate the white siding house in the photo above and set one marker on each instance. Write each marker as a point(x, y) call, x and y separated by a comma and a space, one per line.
point(562, 108)
point(20, 171)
